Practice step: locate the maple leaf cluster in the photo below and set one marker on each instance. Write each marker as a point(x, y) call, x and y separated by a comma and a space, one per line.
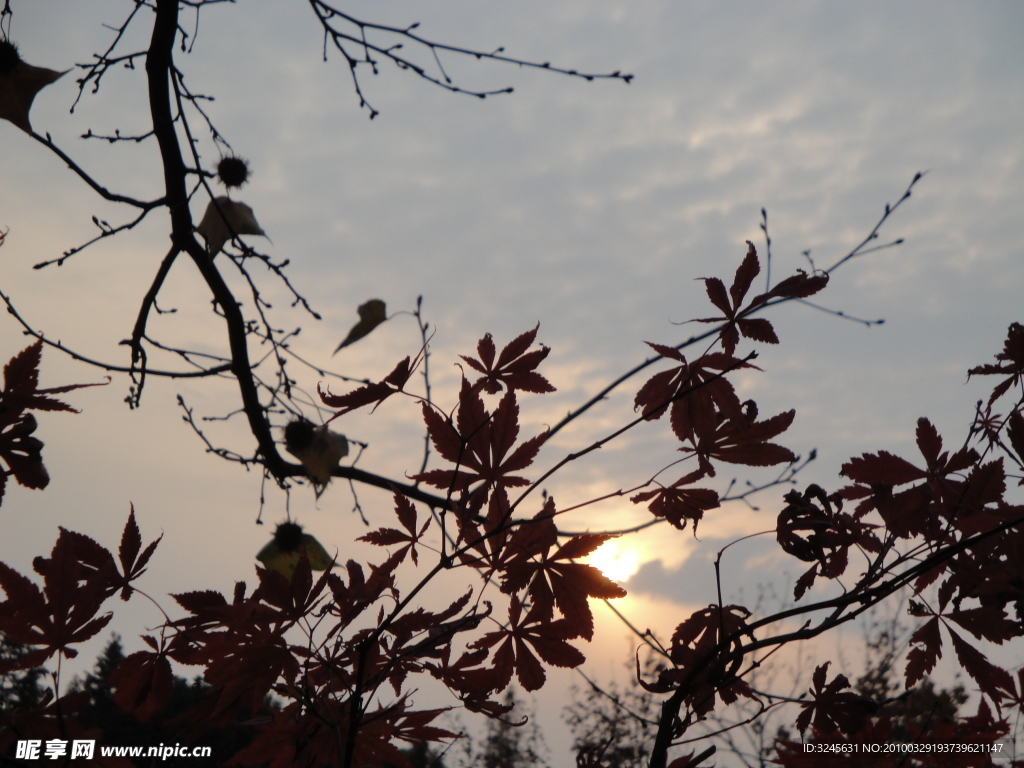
point(848, 730)
point(945, 518)
point(78, 577)
point(372, 639)
point(342, 651)
point(707, 656)
point(705, 413)
point(810, 529)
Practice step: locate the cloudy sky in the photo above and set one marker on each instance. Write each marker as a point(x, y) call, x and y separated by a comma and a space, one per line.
point(589, 207)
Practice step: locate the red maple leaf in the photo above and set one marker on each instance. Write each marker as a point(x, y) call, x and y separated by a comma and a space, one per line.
point(515, 367)
point(132, 565)
point(385, 537)
point(679, 504)
point(926, 651)
point(375, 393)
point(745, 442)
point(736, 316)
point(1015, 431)
point(993, 681)
point(144, 684)
point(1012, 358)
point(480, 444)
point(707, 653)
point(730, 303)
point(78, 577)
point(698, 393)
point(19, 449)
point(523, 640)
point(553, 579)
point(832, 706)
point(914, 510)
point(813, 527)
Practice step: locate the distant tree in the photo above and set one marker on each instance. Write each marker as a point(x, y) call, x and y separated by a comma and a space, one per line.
point(421, 755)
point(23, 691)
point(121, 728)
point(512, 741)
point(20, 686)
point(915, 713)
point(887, 714)
point(612, 724)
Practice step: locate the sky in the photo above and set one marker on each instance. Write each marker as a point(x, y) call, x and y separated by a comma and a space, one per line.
point(588, 207)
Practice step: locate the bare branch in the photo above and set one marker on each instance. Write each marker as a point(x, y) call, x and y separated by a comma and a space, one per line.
point(357, 38)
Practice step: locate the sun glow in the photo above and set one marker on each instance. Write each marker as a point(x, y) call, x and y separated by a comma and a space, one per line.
point(616, 561)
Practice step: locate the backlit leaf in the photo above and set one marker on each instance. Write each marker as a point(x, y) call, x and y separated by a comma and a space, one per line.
point(225, 219)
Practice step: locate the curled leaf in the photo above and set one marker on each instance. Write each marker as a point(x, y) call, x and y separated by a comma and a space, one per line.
point(319, 449)
point(225, 219)
point(371, 314)
point(284, 551)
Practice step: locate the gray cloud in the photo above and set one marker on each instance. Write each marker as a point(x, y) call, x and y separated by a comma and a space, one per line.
point(589, 207)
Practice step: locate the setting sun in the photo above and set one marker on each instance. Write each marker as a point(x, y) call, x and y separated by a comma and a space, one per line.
point(615, 561)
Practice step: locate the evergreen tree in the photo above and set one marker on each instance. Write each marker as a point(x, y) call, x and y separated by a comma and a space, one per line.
point(512, 741)
point(914, 712)
point(22, 690)
point(612, 726)
point(422, 755)
point(123, 729)
point(19, 690)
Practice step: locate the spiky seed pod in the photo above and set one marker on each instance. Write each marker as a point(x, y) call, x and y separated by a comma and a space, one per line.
point(233, 171)
point(9, 57)
point(288, 536)
point(298, 437)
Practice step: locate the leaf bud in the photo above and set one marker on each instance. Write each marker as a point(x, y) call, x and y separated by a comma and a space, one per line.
point(288, 536)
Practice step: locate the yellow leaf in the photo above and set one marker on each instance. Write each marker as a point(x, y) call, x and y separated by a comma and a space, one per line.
point(371, 314)
point(19, 87)
point(319, 449)
point(225, 218)
point(283, 552)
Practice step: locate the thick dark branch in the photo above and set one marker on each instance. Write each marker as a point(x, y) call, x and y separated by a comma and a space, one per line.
point(378, 481)
point(159, 65)
point(149, 300)
point(666, 727)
